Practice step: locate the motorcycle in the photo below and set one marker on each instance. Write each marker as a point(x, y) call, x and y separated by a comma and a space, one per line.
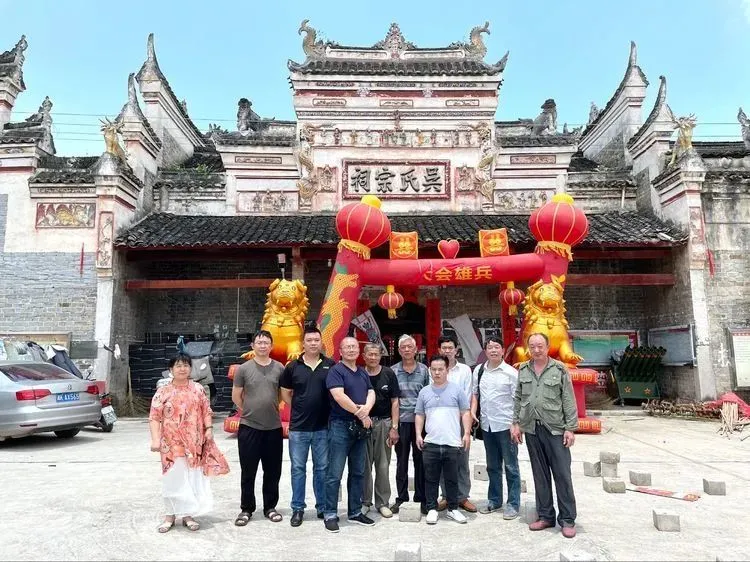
point(107, 421)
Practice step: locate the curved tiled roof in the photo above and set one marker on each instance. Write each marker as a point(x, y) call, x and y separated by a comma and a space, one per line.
point(661, 97)
point(433, 67)
point(163, 230)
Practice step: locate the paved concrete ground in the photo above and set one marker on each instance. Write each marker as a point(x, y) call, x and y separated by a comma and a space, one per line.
point(97, 497)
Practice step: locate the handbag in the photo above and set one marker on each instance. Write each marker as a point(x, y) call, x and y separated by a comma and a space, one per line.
point(476, 428)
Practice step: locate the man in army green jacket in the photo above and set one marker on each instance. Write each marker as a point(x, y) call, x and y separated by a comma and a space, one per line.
point(544, 408)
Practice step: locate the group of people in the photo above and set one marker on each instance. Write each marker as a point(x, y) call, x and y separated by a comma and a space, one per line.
point(347, 415)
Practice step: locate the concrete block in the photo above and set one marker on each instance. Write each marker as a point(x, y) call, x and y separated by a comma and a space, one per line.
point(529, 512)
point(666, 521)
point(480, 472)
point(577, 556)
point(609, 470)
point(592, 469)
point(613, 485)
point(523, 486)
point(410, 512)
point(411, 483)
point(715, 487)
point(408, 552)
point(640, 478)
point(609, 457)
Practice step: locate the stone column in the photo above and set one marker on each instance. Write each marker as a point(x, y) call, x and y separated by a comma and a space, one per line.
point(679, 192)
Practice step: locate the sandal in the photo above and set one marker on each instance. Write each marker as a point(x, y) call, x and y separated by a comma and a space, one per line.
point(190, 523)
point(167, 525)
point(243, 518)
point(274, 515)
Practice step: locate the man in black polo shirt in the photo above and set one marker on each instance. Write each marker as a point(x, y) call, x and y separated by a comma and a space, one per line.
point(384, 416)
point(303, 387)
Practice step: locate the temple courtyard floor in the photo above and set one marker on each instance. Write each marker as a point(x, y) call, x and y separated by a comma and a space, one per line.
point(97, 497)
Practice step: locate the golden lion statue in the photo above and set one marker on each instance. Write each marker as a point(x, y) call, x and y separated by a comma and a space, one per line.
point(284, 318)
point(544, 313)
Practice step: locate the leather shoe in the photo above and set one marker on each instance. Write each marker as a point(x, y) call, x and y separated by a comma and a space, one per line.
point(466, 505)
point(568, 532)
point(297, 517)
point(442, 505)
point(540, 525)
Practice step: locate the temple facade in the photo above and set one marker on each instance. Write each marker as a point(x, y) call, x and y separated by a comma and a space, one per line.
point(178, 231)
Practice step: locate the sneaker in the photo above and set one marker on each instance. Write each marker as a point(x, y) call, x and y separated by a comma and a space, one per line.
point(297, 518)
point(396, 506)
point(510, 513)
point(540, 525)
point(385, 512)
point(332, 526)
point(432, 517)
point(442, 505)
point(489, 508)
point(456, 515)
point(365, 509)
point(362, 519)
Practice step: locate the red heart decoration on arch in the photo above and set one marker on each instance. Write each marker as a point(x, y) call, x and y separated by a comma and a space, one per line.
point(448, 248)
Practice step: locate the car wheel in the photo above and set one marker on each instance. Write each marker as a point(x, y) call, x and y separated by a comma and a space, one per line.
point(67, 433)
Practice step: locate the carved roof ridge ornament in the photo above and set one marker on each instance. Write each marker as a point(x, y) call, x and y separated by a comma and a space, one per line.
point(131, 107)
point(745, 127)
point(633, 57)
point(394, 42)
point(475, 48)
point(312, 48)
point(684, 144)
point(15, 58)
point(43, 119)
point(150, 70)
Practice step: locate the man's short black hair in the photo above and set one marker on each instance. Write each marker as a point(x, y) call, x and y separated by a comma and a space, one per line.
point(311, 330)
point(262, 334)
point(493, 339)
point(438, 357)
point(447, 338)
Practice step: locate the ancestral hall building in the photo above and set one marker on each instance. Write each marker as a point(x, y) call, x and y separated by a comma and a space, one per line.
point(180, 231)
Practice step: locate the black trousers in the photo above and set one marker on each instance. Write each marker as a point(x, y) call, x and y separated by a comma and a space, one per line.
point(551, 459)
point(407, 439)
point(441, 459)
point(264, 447)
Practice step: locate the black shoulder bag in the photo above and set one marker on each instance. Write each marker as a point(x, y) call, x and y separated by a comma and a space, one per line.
point(476, 429)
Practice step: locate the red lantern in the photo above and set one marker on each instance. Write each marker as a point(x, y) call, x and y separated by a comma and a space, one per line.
point(558, 226)
point(363, 226)
point(511, 297)
point(390, 301)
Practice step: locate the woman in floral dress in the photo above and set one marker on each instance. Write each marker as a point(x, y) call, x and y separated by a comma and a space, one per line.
point(180, 423)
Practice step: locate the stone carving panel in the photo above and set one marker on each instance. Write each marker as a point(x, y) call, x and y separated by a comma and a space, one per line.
point(253, 159)
point(264, 202)
point(533, 159)
point(104, 239)
point(65, 215)
point(521, 200)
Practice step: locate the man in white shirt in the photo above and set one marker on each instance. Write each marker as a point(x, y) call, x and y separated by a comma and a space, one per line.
point(494, 386)
point(459, 374)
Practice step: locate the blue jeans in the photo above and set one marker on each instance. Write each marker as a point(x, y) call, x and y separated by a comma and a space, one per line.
point(501, 451)
point(342, 446)
point(300, 442)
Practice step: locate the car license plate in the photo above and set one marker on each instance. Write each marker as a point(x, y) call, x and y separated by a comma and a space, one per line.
point(109, 414)
point(68, 397)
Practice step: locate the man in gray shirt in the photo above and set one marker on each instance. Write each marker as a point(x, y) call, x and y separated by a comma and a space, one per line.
point(255, 392)
point(443, 410)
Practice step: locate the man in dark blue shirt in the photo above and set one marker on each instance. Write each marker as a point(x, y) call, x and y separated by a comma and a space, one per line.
point(352, 397)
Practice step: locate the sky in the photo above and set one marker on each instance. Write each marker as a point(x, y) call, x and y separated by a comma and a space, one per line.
point(213, 53)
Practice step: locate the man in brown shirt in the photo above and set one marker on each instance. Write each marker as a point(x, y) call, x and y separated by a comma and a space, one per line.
point(256, 392)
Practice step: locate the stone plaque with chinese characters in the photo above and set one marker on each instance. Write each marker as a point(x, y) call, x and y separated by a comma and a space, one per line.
point(396, 179)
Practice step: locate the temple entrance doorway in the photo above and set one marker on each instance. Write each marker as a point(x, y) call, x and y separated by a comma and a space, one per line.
point(410, 319)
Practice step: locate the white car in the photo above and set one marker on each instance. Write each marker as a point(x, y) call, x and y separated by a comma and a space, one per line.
point(41, 397)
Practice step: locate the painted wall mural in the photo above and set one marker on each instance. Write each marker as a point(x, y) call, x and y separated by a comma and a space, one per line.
point(65, 215)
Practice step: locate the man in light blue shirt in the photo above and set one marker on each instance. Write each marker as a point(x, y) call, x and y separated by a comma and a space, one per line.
point(494, 387)
point(443, 410)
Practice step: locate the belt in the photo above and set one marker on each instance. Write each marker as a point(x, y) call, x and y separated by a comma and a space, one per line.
point(378, 418)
